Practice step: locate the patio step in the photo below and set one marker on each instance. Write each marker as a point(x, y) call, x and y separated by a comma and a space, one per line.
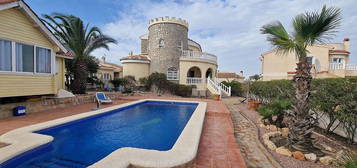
point(58, 162)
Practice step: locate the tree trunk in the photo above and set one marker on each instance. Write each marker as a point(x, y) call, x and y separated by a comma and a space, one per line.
point(301, 123)
point(80, 77)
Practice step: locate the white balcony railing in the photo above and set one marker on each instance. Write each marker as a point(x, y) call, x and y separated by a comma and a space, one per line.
point(337, 66)
point(198, 55)
point(351, 67)
point(194, 81)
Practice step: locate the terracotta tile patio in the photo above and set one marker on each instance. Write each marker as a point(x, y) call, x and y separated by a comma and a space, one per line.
point(217, 149)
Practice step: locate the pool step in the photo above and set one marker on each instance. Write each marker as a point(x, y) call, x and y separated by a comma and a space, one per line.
point(58, 162)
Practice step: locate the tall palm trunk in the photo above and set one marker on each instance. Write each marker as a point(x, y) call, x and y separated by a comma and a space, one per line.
point(301, 122)
point(80, 77)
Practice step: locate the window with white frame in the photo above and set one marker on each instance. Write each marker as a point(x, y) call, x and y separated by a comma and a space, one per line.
point(161, 43)
point(43, 60)
point(5, 55)
point(172, 74)
point(337, 60)
point(24, 58)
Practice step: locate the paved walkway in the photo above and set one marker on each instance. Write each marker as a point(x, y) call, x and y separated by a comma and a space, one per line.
point(247, 137)
point(217, 149)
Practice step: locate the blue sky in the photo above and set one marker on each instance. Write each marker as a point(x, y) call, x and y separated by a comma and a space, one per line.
point(226, 28)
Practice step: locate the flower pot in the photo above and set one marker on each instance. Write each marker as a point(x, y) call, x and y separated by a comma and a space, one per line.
point(253, 104)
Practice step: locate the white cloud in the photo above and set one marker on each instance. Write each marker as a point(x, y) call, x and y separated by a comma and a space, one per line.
point(228, 29)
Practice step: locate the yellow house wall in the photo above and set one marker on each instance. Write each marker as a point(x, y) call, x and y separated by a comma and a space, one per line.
point(60, 73)
point(203, 66)
point(103, 71)
point(15, 26)
point(25, 85)
point(275, 66)
point(138, 70)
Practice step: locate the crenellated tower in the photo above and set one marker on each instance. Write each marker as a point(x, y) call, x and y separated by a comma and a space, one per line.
point(167, 37)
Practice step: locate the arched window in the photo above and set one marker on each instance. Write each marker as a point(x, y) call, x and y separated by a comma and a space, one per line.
point(161, 43)
point(172, 74)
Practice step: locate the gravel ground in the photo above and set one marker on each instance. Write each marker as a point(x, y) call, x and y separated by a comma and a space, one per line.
point(285, 161)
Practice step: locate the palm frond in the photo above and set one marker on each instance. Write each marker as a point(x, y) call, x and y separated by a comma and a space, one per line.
point(278, 37)
point(75, 35)
point(312, 27)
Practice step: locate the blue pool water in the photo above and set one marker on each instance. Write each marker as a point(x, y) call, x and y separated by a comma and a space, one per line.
point(78, 144)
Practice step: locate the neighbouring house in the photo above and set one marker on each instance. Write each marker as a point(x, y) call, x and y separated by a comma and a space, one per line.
point(328, 61)
point(108, 71)
point(167, 49)
point(32, 60)
point(230, 76)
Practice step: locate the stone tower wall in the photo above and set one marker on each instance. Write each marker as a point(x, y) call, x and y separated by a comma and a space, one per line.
point(173, 31)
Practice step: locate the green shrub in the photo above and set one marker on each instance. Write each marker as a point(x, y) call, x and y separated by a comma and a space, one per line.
point(236, 87)
point(327, 95)
point(180, 90)
point(275, 108)
point(117, 82)
point(276, 89)
point(162, 85)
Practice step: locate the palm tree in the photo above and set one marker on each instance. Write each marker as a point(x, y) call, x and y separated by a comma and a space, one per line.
point(81, 39)
point(309, 28)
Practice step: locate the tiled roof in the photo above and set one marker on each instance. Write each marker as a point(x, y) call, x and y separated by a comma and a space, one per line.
point(6, 1)
point(339, 51)
point(136, 57)
point(110, 65)
point(68, 54)
point(228, 75)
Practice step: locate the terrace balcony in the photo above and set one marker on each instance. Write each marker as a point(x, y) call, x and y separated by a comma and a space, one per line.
point(343, 70)
point(198, 56)
point(340, 66)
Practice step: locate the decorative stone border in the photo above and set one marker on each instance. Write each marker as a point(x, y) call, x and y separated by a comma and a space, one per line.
point(181, 154)
point(326, 160)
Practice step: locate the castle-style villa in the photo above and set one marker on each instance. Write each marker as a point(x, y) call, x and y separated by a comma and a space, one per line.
point(328, 61)
point(167, 49)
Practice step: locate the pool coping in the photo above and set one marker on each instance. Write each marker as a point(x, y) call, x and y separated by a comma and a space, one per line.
point(184, 150)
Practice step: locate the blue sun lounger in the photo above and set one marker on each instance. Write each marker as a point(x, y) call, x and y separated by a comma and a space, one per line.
point(101, 98)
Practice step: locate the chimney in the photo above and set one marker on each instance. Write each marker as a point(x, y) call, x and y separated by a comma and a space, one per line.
point(241, 73)
point(103, 58)
point(346, 44)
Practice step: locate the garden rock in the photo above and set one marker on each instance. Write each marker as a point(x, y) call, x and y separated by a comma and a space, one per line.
point(298, 155)
point(285, 132)
point(311, 157)
point(273, 128)
point(327, 148)
point(269, 144)
point(283, 151)
point(326, 160)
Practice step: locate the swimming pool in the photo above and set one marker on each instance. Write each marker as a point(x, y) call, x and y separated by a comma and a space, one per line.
point(149, 126)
